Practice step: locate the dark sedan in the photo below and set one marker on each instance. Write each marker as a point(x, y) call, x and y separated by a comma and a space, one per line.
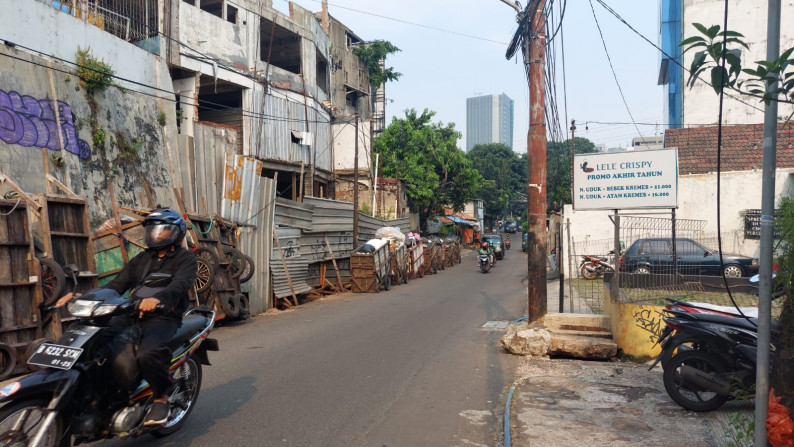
point(655, 255)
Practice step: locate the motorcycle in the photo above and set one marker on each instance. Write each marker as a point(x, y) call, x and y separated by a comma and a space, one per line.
point(507, 242)
point(72, 397)
point(593, 267)
point(721, 365)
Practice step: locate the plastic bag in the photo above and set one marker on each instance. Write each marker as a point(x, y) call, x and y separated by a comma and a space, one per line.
point(779, 426)
point(391, 233)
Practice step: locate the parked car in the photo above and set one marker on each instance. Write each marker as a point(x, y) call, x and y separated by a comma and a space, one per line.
point(498, 242)
point(525, 242)
point(511, 226)
point(655, 255)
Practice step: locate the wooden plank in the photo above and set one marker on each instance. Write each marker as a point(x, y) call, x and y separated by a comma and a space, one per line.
point(286, 270)
point(113, 231)
point(112, 193)
point(333, 259)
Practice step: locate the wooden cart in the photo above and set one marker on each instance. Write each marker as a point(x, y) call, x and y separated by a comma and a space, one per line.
point(370, 271)
point(398, 265)
point(416, 261)
point(430, 254)
point(20, 291)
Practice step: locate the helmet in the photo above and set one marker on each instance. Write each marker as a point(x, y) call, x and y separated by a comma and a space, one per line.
point(484, 245)
point(164, 227)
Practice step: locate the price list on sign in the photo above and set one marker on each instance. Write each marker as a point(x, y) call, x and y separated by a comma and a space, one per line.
point(626, 180)
point(752, 224)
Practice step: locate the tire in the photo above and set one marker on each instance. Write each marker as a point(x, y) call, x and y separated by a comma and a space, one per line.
point(8, 361)
point(52, 279)
point(205, 275)
point(642, 270)
point(733, 271)
point(248, 271)
point(187, 384)
point(691, 396)
point(387, 283)
point(236, 260)
point(243, 304)
point(586, 274)
point(230, 306)
point(10, 413)
point(208, 255)
point(681, 345)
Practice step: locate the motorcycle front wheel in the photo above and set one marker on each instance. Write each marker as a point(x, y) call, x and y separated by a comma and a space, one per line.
point(34, 412)
point(689, 395)
point(186, 386)
point(588, 274)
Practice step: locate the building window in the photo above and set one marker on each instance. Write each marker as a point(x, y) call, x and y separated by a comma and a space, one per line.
point(231, 14)
point(279, 46)
point(214, 7)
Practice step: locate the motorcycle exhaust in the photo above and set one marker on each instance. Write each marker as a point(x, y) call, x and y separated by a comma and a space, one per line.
point(704, 380)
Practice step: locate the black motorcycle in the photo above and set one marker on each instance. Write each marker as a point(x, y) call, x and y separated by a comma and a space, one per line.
point(485, 262)
point(79, 394)
point(717, 363)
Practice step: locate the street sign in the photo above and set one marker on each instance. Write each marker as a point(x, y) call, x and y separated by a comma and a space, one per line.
point(626, 180)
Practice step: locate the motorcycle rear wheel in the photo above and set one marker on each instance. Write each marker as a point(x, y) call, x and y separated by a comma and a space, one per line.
point(187, 384)
point(688, 395)
point(12, 412)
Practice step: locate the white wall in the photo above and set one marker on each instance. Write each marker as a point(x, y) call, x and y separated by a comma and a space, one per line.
point(697, 199)
point(344, 141)
point(746, 17)
point(64, 33)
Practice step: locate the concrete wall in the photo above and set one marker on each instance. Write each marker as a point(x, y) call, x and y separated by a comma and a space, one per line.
point(697, 199)
point(635, 327)
point(29, 122)
point(344, 144)
point(749, 18)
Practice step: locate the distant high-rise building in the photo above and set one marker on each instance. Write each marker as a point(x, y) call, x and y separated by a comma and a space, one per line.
point(489, 119)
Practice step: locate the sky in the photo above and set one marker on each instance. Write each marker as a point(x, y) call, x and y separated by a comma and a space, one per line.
point(455, 49)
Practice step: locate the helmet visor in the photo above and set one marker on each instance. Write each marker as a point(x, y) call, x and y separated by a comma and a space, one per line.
point(160, 235)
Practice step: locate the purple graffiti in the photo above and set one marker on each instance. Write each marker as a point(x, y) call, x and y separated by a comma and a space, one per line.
point(31, 122)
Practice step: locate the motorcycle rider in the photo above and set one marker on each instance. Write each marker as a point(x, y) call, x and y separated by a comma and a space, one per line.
point(486, 248)
point(164, 231)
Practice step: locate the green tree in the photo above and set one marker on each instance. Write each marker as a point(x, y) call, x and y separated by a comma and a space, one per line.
point(558, 167)
point(504, 174)
point(757, 82)
point(426, 156)
point(372, 54)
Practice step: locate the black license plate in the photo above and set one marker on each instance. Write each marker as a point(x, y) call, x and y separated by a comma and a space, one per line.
point(50, 355)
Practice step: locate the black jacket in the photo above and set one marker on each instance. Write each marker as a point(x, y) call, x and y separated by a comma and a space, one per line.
point(178, 262)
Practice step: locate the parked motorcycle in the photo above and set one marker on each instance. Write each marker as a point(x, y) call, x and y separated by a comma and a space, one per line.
point(80, 395)
point(719, 366)
point(594, 267)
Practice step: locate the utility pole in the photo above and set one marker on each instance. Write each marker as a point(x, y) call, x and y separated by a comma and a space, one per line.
point(767, 233)
point(355, 191)
point(535, 56)
point(573, 153)
point(531, 33)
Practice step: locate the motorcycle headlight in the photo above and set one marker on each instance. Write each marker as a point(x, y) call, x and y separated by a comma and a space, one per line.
point(89, 308)
point(82, 308)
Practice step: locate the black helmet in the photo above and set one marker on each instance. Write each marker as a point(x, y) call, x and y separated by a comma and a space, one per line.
point(164, 227)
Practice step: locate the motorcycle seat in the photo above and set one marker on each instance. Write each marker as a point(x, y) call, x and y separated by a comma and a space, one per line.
point(191, 325)
point(731, 321)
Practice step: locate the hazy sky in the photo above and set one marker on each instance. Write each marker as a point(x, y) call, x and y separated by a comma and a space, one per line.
point(455, 49)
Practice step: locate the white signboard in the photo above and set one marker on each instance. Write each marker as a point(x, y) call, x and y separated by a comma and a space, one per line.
point(626, 180)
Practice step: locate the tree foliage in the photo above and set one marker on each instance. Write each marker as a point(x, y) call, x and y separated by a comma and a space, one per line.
point(371, 54)
point(426, 156)
point(504, 175)
point(558, 167)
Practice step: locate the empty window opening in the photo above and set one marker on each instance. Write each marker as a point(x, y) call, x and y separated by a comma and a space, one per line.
point(231, 14)
point(279, 47)
point(322, 73)
point(214, 7)
point(190, 2)
point(221, 104)
point(351, 40)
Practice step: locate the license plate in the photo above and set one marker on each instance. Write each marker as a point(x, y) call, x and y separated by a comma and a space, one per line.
point(50, 355)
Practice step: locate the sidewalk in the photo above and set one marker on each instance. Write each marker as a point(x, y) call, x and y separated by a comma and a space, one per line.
point(578, 403)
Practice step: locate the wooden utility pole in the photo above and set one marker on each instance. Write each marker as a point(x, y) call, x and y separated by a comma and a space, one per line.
point(535, 56)
point(355, 191)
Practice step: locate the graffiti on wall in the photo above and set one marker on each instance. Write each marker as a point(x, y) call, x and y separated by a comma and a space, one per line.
point(650, 320)
point(31, 122)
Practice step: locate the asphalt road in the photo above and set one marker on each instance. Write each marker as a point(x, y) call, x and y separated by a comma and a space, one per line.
point(409, 367)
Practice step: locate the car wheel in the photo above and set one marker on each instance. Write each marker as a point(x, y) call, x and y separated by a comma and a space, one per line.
point(643, 270)
point(733, 271)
